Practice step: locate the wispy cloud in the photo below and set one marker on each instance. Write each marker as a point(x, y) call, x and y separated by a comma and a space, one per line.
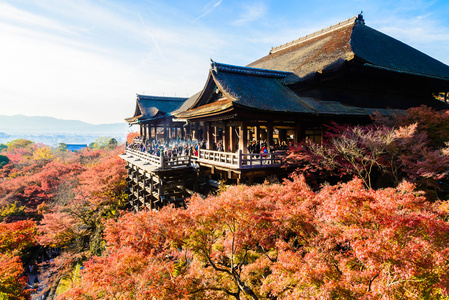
point(208, 11)
point(11, 14)
point(251, 13)
point(151, 35)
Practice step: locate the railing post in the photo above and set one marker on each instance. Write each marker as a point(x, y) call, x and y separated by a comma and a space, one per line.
point(190, 157)
point(162, 160)
point(239, 163)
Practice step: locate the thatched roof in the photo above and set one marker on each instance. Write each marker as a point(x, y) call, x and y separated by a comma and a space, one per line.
point(350, 40)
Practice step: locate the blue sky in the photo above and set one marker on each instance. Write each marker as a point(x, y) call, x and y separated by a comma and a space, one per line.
point(87, 59)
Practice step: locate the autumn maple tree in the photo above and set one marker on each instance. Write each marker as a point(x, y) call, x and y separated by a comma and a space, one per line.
point(67, 194)
point(279, 241)
point(381, 154)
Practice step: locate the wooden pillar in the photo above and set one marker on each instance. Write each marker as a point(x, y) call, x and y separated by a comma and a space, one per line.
point(298, 136)
point(165, 133)
point(269, 136)
point(215, 135)
point(145, 131)
point(205, 131)
point(188, 135)
point(141, 130)
point(226, 144)
point(151, 192)
point(233, 138)
point(183, 132)
point(257, 133)
point(210, 136)
point(243, 140)
point(170, 132)
point(144, 190)
point(197, 128)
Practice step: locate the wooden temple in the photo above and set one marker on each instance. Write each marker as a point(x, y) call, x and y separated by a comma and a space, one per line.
point(344, 73)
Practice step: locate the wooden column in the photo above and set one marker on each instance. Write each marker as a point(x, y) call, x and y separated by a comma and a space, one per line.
point(151, 191)
point(188, 135)
point(269, 135)
point(197, 129)
point(144, 190)
point(257, 133)
point(170, 132)
point(226, 144)
point(141, 130)
point(165, 133)
point(205, 131)
point(298, 136)
point(232, 137)
point(183, 132)
point(210, 136)
point(243, 140)
point(215, 135)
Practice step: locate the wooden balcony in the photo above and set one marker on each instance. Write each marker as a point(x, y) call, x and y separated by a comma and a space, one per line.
point(241, 160)
point(160, 162)
point(236, 161)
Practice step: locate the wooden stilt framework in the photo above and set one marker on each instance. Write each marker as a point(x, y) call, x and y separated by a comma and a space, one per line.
point(154, 188)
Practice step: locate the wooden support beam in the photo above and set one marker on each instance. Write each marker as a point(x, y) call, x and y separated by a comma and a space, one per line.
point(257, 133)
point(269, 135)
point(243, 141)
point(226, 145)
point(298, 129)
point(210, 136)
point(197, 129)
point(165, 133)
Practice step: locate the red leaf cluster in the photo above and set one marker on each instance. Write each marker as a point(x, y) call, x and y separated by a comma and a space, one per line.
point(280, 241)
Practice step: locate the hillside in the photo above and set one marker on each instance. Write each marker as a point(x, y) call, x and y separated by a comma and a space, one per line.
point(52, 131)
point(41, 124)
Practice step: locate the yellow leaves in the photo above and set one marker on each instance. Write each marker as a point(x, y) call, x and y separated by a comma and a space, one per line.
point(12, 209)
point(43, 153)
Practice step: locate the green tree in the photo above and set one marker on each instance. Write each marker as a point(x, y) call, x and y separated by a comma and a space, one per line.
point(62, 147)
point(18, 143)
point(103, 143)
point(3, 160)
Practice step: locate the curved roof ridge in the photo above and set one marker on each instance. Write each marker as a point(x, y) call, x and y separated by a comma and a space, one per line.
point(160, 98)
point(324, 31)
point(215, 66)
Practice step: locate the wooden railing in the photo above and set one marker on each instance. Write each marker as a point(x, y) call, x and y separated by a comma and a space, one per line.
point(241, 160)
point(237, 160)
point(160, 161)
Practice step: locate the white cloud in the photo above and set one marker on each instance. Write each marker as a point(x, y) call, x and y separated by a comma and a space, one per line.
point(209, 8)
point(251, 12)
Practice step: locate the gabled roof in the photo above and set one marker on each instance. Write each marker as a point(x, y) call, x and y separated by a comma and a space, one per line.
point(259, 89)
point(149, 107)
point(328, 49)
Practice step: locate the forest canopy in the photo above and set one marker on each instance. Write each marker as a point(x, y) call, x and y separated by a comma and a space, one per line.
point(364, 216)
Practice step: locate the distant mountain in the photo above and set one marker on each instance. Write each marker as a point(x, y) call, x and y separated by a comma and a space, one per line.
point(52, 131)
point(43, 125)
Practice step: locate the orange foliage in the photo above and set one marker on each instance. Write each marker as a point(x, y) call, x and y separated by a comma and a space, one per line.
point(15, 237)
point(12, 282)
point(278, 241)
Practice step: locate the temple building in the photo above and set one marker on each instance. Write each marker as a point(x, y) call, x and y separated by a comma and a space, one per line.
point(344, 73)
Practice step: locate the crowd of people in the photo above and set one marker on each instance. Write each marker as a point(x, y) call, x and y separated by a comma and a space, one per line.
point(178, 147)
point(173, 148)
